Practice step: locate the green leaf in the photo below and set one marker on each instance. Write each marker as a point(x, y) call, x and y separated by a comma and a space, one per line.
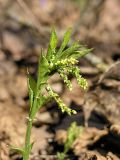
point(32, 83)
point(81, 53)
point(43, 70)
point(52, 44)
point(53, 40)
point(65, 41)
point(68, 52)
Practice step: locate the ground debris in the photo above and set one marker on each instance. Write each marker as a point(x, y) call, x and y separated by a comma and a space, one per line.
point(96, 156)
point(104, 98)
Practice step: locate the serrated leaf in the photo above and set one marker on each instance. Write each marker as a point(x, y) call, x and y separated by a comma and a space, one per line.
point(65, 41)
point(52, 44)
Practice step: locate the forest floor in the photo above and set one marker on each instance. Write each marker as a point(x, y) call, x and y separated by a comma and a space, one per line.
point(25, 29)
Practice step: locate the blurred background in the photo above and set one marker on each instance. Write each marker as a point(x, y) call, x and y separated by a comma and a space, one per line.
point(25, 27)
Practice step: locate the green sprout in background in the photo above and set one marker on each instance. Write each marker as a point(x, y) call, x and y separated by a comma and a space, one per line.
point(62, 61)
point(73, 133)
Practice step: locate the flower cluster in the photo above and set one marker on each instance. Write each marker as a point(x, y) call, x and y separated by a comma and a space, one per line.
point(65, 78)
point(74, 70)
point(66, 62)
point(61, 105)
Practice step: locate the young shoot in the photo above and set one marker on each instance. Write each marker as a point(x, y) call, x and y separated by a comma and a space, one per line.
point(73, 132)
point(64, 62)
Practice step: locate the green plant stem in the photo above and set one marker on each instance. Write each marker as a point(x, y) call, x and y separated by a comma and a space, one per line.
point(28, 132)
point(27, 140)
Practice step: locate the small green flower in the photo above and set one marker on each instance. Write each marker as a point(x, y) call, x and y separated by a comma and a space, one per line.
point(66, 62)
